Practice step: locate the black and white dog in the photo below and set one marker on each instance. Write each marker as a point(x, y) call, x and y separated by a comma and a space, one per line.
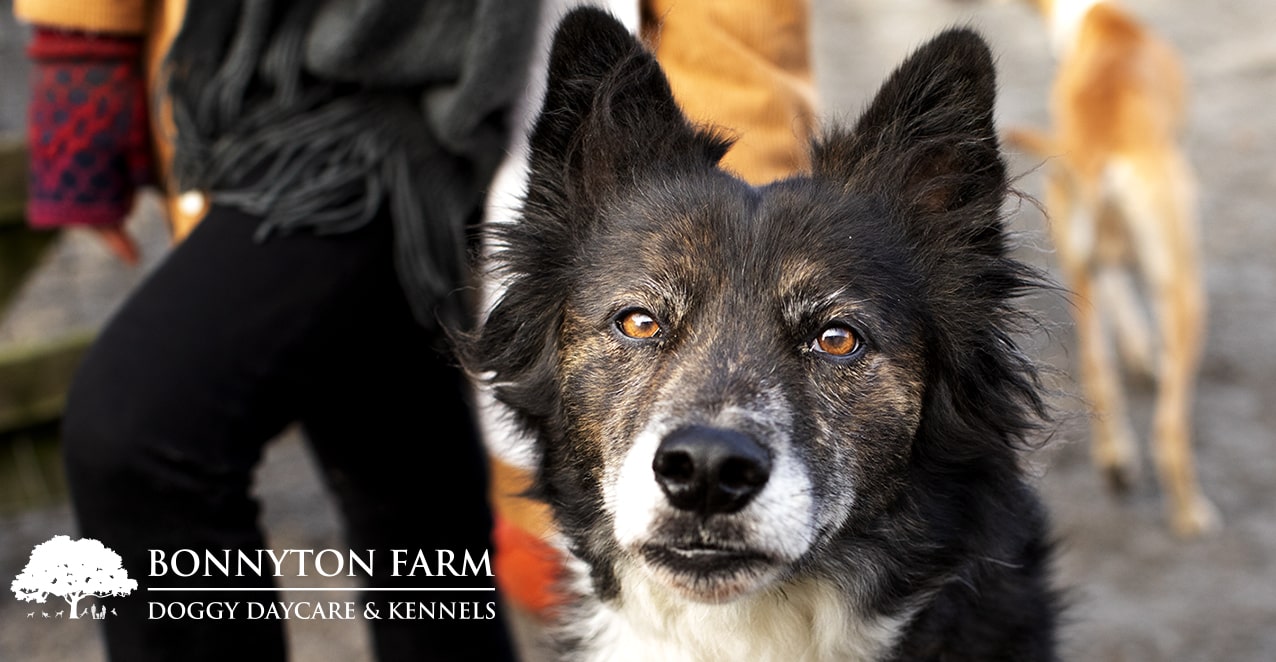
point(775, 423)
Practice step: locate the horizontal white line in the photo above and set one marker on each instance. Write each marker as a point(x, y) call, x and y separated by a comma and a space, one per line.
point(210, 589)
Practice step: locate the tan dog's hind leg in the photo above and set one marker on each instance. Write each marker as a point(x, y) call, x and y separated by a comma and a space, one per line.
point(1122, 307)
point(1158, 199)
point(1074, 216)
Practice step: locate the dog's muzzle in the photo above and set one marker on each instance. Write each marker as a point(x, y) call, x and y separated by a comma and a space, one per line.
point(710, 471)
point(712, 511)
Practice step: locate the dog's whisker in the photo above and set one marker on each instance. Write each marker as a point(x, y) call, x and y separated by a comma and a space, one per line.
point(1002, 563)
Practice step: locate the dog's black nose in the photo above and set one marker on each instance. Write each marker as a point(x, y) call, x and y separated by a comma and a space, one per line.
point(710, 470)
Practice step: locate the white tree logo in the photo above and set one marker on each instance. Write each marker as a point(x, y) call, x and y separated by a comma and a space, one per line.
point(72, 569)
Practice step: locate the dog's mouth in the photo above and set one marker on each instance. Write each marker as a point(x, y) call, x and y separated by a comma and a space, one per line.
point(701, 558)
point(708, 572)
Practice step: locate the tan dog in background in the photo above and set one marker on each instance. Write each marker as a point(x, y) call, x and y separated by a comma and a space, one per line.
point(1120, 194)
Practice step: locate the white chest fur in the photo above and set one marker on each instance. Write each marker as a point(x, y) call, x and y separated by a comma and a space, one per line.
point(802, 621)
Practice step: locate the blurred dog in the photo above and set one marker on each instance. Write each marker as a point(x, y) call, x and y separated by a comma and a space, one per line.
point(784, 422)
point(1120, 194)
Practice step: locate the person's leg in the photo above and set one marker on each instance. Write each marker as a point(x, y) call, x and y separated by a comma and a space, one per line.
point(391, 421)
point(168, 414)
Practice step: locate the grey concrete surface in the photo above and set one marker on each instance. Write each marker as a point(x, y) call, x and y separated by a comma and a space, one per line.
point(1136, 592)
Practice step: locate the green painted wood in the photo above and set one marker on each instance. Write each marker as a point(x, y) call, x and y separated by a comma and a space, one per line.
point(20, 251)
point(13, 180)
point(31, 474)
point(34, 378)
point(20, 247)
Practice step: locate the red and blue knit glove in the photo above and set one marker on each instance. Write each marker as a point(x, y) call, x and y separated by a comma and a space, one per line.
point(89, 135)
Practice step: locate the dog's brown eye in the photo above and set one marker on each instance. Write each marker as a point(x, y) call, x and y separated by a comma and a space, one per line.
point(638, 324)
point(837, 340)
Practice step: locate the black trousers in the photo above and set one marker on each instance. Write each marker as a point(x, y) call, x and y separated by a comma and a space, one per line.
point(223, 346)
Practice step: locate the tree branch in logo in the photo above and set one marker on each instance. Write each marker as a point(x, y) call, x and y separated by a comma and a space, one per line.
point(71, 570)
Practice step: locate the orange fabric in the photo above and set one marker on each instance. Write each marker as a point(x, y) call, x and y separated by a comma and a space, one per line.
point(507, 485)
point(527, 568)
point(116, 16)
point(745, 67)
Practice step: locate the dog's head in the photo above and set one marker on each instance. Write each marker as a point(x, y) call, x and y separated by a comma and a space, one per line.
point(722, 378)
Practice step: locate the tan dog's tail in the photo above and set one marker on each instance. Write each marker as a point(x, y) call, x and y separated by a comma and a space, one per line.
point(1033, 142)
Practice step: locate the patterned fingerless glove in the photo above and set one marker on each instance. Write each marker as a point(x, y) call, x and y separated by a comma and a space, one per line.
point(88, 131)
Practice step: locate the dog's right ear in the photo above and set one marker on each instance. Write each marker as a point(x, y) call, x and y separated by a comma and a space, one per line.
point(608, 116)
point(609, 120)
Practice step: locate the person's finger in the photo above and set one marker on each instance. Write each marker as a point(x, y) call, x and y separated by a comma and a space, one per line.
point(120, 244)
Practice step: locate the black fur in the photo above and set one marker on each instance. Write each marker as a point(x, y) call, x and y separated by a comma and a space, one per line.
point(899, 226)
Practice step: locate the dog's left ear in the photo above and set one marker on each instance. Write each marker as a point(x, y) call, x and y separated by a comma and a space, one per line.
point(927, 142)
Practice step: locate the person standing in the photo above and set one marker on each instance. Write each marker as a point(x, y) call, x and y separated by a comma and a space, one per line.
point(335, 154)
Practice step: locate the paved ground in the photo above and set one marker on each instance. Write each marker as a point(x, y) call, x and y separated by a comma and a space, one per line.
point(1137, 593)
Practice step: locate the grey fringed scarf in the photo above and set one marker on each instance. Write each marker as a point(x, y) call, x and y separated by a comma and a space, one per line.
point(313, 114)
